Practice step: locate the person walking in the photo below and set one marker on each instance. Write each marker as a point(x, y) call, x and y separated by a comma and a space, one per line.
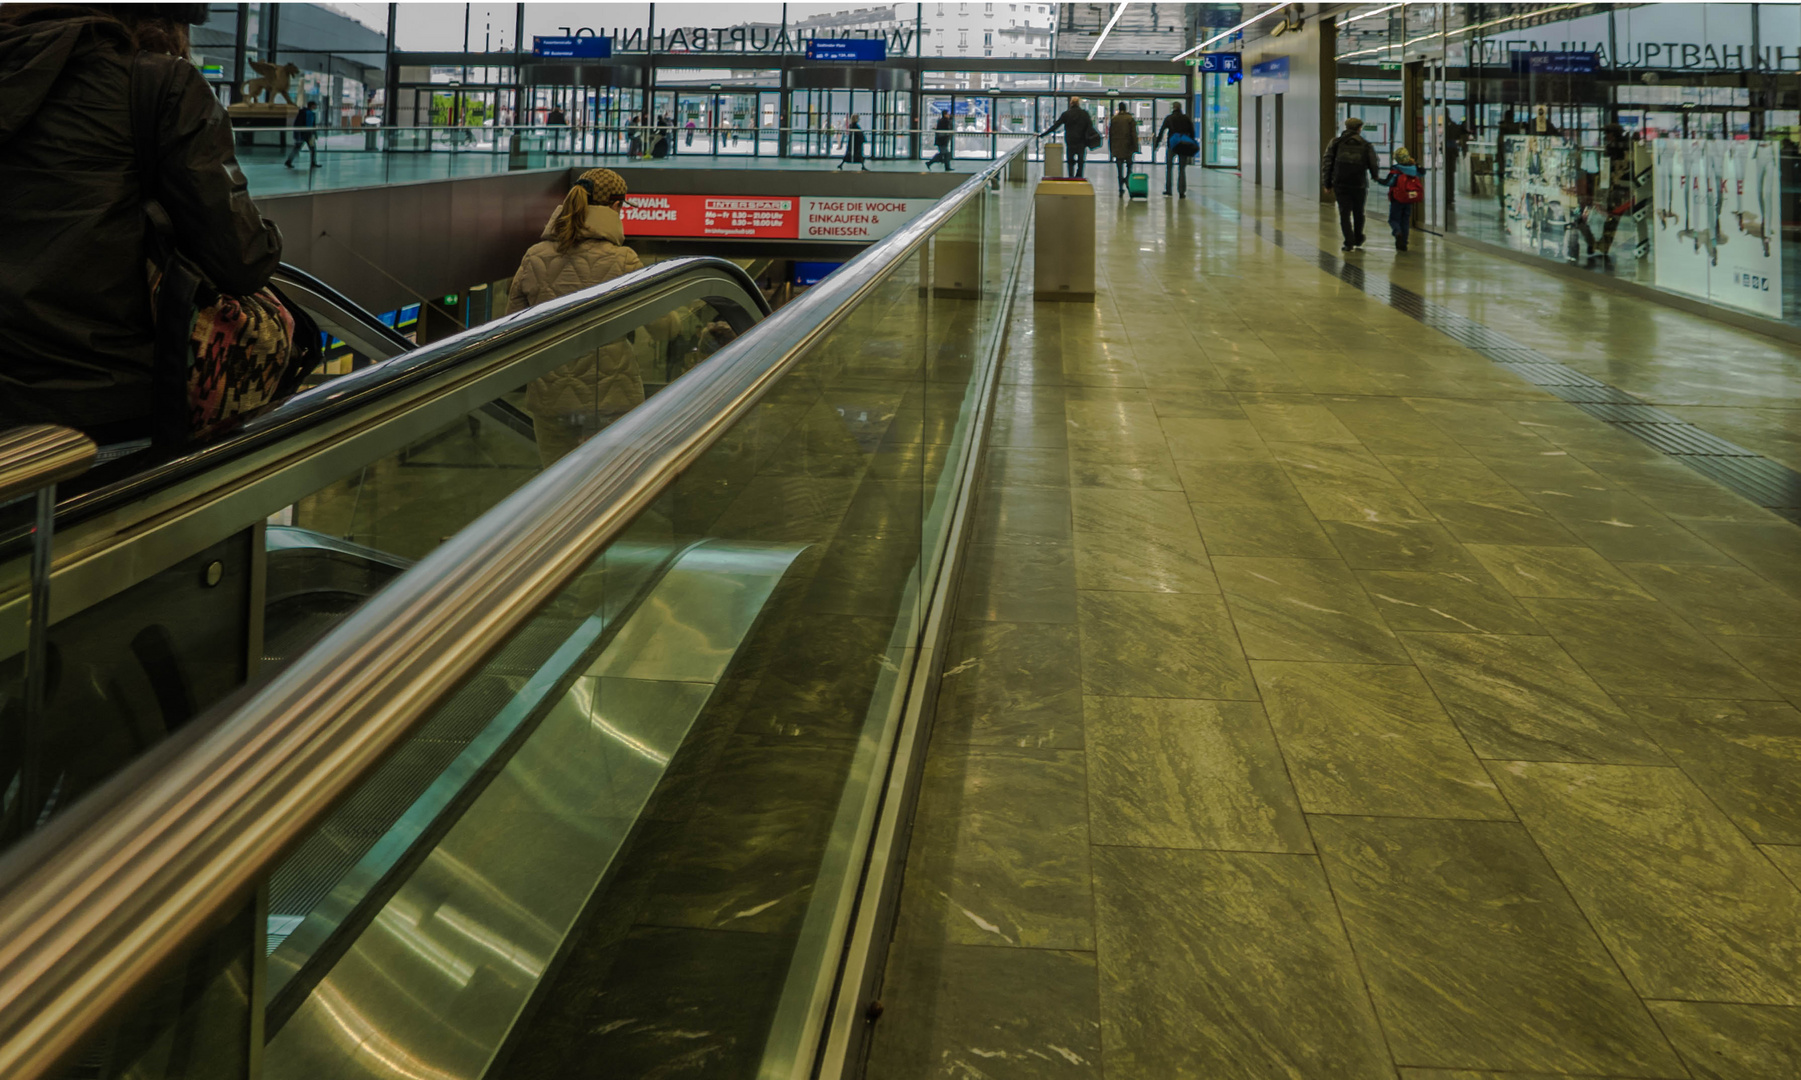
point(941, 137)
point(1404, 192)
point(1346, 169)
point(1079, 137)
point(853, 145)
point(306, 123)
point(1122, 142)
point(79, 347)
point(1178, 128)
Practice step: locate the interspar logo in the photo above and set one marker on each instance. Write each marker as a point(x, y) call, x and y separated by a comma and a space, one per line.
point(780, 206)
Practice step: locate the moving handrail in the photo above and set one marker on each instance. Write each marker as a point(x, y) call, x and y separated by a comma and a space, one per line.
point(120, 532)
point(338, 314)
point(38, 455)
point(91, 906)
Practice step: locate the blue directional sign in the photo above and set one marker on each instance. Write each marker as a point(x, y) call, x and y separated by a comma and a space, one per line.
point(847, 50)
point(1270, 77)
point(1223, 63)
point(585, 47)
point(1554, 63)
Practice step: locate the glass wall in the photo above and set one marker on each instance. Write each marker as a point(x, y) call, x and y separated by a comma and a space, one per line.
point(1653, 143)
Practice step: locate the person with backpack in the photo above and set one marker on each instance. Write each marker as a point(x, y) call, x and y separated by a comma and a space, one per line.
point(1405, 191)
point(941, 138)
point(306, 123)
point(1080, 136)
point(1122, 141)
point(1183, 146)
point(1346, 169)
point(80, 347)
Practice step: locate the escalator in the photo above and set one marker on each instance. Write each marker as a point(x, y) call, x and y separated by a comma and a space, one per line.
point(179, 580)
point(596, 768)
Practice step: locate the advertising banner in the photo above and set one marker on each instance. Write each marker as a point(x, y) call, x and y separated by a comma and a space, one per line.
point(1715, 203)
point(856, 219)
point(750, 218)
point(775, 217)
point(1538, 190)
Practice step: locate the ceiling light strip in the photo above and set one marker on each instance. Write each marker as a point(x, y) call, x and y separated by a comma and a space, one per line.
point(1229, 33)
point(1117, 12)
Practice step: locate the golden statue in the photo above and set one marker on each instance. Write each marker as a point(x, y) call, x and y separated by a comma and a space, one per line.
point(270, 81)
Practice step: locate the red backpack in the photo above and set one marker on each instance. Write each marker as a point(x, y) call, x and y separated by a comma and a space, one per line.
point(1406, 189)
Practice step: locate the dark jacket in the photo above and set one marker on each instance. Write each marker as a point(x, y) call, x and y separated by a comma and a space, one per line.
point(75, 326)
point(1349, 164)
point(1077, 125)
point(1174, 124)
point(853, 144)
point(943, 137)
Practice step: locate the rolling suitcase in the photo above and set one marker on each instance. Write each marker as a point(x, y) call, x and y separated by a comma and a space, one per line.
point(1138, 185)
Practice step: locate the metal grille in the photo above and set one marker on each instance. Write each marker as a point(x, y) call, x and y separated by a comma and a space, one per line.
point(1768, 483)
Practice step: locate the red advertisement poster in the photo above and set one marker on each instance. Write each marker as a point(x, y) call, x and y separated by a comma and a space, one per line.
point(749, 217)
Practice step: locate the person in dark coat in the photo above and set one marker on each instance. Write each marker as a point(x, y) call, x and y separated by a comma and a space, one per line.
point(74, 296)
point(1176, 123)
point(1078, 131)
point(1346, 169)
point(1122, 141)
point(306, 133)
point(853, 145)
point(941, 137)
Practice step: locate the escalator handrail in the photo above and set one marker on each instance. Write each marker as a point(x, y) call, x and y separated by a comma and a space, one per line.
point(38, 455)
point(94, 903)
point(288, 274)
point(352, 391)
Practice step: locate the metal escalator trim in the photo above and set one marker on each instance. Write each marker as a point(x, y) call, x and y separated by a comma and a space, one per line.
point(180, 511)
point(38, 455)
point(89, 909)
point(340, 315)
point(293, 538)
point(423, 364)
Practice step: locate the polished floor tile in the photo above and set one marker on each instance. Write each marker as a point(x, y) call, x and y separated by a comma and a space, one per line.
point(1235, 481)
point(1012, 684)
point(1167, 772)
point(1023, 515)
point(1161, 645)
point(1720, 600)
point(1227, 965)
point(979, 1011)
point(1476, 956)
point(1372, 739)
point(1733, 1042)
point(1139, 541)
point(1776, 661)
point(1193, 439)
point(1382, 545)
point(1019, 583)
point(1575, 573)
point(1304, 609)
point(1635, 647)
point(1275, 529)
point(1000, 850)
point(1705, 918)
point(1746, 755)
point(1523, 698)
point(1455, 602)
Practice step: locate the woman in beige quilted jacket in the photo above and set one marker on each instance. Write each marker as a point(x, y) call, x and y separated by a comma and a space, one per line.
point(583, 244)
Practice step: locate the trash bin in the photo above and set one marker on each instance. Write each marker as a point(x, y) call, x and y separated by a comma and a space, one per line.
point(1053, 159)
point(1063, 252)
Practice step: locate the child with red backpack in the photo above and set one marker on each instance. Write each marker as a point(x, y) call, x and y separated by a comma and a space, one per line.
point(1405, 191)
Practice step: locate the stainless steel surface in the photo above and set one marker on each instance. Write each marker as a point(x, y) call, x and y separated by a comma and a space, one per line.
point(91, 907)
point(38, 455)
point(37, 651)
point(141, 526)
point(1063, 241)
point(440, 976)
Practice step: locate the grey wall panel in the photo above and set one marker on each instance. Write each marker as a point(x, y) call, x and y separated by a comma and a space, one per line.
point(389, 246)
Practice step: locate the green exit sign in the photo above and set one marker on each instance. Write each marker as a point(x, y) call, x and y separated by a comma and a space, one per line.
point(1390, 67)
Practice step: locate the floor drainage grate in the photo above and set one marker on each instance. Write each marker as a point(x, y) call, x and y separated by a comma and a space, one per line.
point(1770, 484)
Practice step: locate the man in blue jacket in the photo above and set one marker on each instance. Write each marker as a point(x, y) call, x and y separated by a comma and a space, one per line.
point(305, 123)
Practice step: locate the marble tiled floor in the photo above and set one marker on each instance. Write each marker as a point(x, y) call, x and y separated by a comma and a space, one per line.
point(1328, 703)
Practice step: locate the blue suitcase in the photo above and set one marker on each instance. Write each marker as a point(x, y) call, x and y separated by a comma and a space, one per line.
point(1138, 185)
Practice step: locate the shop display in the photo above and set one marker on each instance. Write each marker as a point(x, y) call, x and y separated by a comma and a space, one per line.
point(1715, 206)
